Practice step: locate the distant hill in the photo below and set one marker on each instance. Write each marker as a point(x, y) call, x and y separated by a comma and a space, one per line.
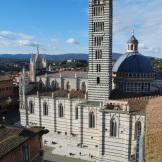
point(61, 57)
point(15, 56)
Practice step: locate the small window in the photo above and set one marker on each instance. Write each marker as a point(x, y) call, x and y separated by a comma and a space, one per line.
point(60, 111)
point(83, 87)
point(113, 128)
point(25, 152)
point(98, 10)
point(76, 113)
point(68, 87)
point(132, 47)
point(98, 41)
point(98, 80)
point(45, 109)
point(98, 26)
point(137, 133)
point(98, 68)
point(91, 120)
point(98, 54)
point(31, 107)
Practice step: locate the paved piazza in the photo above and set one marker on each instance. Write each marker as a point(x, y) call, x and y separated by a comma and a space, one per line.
point(67, 147)
point(57, 158)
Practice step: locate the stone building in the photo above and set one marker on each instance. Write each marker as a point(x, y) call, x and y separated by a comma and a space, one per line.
point(37, 64)
point(85, 117)
point(21, 144)
point(8, 93)
point(6, 86)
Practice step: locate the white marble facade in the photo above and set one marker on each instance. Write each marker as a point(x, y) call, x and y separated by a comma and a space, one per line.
point(78, 127)
point(73, 133)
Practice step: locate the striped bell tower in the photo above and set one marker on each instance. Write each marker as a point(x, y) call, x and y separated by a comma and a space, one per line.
point(100, 49)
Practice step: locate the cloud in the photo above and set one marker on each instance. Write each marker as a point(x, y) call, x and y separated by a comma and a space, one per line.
point(143, 46)
point(9, 38)
point(72, 41)
point(150, 49)
point(25, 42)
point(144, 16)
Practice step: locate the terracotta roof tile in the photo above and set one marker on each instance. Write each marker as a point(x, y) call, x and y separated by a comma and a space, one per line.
point(4, 77)
point(12, 137)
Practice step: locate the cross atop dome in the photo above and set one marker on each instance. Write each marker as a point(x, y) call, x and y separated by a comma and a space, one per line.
point(132, 44)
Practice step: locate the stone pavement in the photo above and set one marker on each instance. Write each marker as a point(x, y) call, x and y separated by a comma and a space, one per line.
point(67, 146)
point(49, 157)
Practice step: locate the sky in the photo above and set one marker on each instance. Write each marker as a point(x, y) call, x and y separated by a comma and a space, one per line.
point(61, 26)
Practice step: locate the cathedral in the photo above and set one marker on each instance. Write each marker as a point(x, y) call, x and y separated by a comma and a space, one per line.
point(99, 115)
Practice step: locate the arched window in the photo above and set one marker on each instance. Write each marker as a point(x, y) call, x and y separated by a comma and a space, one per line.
point(83, 87)
point(137, 133)
point(68, 86)
point(45, 109)
point(60, 111)
point(91, 120)
point(76, 113)
point(132, 47)
point(31, 107)
point(113, 128)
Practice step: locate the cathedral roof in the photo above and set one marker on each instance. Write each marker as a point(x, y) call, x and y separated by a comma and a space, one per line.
point(133, 63)
point(69, 74)
point(73, 94)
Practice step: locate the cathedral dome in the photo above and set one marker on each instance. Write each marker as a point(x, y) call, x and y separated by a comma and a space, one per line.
point(133, 63)
point(133, 72)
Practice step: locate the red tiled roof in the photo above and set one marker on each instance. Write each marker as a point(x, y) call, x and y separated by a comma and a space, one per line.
point(11, 137)
point(4, 77)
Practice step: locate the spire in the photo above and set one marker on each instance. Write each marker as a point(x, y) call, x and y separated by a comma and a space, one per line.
point(23, 70)
point(37, 49)
point(133, 32)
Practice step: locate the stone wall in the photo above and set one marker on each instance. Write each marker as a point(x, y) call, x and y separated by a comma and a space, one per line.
point(153, 134)
point(68, 124)
point(121, 148)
